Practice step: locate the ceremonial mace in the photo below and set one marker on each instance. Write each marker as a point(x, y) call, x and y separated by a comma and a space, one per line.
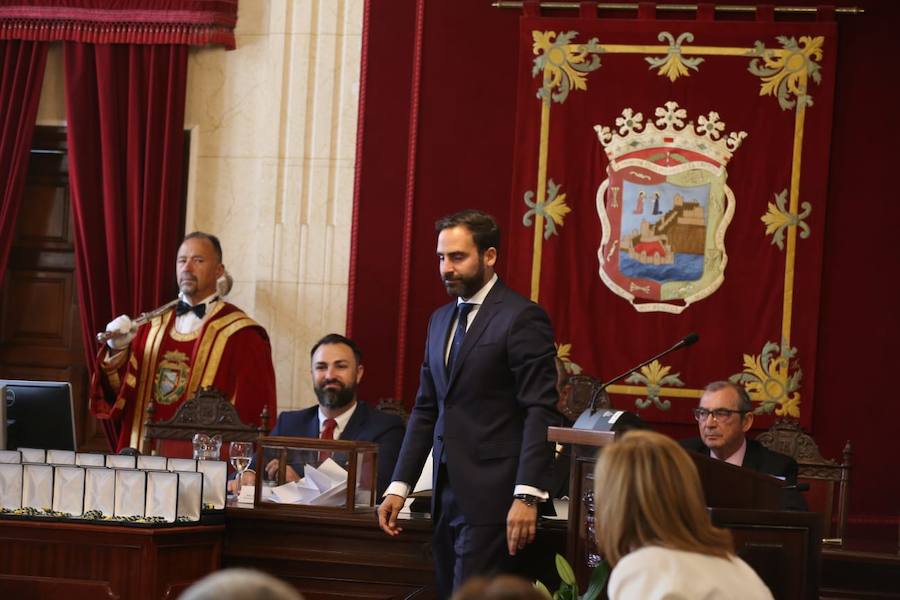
point(223, 287)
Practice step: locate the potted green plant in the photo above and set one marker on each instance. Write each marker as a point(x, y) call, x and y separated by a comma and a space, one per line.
point(568, 587)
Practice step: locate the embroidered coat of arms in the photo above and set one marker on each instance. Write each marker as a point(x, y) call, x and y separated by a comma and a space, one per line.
point(664, 208)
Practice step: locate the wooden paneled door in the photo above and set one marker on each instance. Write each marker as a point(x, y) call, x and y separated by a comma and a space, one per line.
point(40, 327)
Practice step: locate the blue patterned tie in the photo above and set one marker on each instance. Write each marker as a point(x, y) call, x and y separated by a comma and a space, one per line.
point(460, 336)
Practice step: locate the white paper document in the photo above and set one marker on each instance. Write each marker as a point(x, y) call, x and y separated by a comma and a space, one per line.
point(322, 486)
point(247, 494)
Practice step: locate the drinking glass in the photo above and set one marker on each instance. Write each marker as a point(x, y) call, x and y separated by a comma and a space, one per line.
point(207, 447)
point(240, 454)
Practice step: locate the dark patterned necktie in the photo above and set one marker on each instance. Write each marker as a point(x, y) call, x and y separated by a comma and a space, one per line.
point(464, 309)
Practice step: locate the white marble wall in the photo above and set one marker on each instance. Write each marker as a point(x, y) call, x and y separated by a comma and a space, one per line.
point(272, 159)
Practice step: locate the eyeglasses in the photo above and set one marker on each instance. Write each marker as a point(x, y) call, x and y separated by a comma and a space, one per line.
point(718, 414)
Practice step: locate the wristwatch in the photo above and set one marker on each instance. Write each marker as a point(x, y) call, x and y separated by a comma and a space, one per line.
point(528, 499)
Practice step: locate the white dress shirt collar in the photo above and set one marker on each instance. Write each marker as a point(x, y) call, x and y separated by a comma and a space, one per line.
point(476, 300)
point(189, 322)
point(342, 420)
point(737, 458)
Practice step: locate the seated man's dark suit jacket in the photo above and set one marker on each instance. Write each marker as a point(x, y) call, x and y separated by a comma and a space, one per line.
point(366, 425)
point(490, 415)
point(761, 459)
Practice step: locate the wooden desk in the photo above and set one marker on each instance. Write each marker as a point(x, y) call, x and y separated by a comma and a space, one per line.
point(331, 556)
point(75, 561)
point(782, 547)
point(347, 555)
point(861, 569)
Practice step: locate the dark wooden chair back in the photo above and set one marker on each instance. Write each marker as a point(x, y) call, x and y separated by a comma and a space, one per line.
point(210, 412)
point(824, 476)
point(576, 394)
point(393, 407)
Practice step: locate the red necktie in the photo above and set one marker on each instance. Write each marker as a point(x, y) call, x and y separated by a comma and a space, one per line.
point(327, 434)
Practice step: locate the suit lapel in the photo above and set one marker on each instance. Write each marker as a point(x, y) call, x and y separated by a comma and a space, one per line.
point(751, 457)
point(488, 309)
point(437, 345)
point(355, 423)
point(311, 427)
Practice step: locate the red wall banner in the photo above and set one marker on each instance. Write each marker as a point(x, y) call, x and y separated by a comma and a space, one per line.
point(466, 56)
point(670, 177)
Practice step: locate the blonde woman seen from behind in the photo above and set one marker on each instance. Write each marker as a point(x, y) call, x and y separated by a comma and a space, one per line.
point(653, 528)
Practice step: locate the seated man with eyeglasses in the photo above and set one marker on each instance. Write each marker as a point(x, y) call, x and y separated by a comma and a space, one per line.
point(724, 416)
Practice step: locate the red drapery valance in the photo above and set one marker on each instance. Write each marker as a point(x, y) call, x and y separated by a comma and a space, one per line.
point(189, 22)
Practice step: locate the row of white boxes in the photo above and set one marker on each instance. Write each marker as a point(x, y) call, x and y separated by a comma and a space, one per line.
point(109, 487)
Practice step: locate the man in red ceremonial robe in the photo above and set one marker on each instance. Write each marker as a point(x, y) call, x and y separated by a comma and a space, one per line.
point(201, 342)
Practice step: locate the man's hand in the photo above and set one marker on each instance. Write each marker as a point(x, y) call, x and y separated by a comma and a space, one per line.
point(123, 331)
point(521, 524)
point(387, 514)
point(289, 473)
point(247, 478)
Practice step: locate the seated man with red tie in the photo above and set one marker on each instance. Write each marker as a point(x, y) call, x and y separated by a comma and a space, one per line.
point(336, 372)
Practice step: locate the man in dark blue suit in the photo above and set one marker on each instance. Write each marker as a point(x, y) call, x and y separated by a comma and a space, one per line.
point(486, 397)
point(337, 370)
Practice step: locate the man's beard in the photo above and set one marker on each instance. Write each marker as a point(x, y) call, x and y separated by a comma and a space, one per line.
point(335, 398)
point(466, 287)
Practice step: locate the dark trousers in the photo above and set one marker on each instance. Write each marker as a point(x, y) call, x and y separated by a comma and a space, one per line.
point(460, 549)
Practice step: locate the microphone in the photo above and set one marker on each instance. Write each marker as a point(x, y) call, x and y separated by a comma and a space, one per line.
point(684, 342)
point(689, 339)
point(800, 487)
point(621, 420)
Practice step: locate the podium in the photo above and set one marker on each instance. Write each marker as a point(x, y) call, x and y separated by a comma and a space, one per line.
point(783, 547)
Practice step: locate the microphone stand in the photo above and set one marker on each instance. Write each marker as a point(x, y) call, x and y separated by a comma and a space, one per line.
point(686, 341)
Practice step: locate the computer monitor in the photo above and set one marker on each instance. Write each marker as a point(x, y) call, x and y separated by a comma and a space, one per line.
point(36, 414)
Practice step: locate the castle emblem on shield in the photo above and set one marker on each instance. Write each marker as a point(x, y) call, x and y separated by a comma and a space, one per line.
point(664, 207)
point(171, 377)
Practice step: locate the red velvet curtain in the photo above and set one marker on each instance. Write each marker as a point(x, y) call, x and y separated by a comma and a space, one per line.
point(21, 73)
point(125, 109)
point(126, 115)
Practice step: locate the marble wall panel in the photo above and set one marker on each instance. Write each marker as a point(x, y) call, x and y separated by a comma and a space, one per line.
point(273, 169)
point(233, 97)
